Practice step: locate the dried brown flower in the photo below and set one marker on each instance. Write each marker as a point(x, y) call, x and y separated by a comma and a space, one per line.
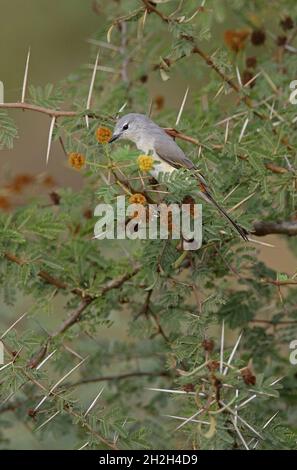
point(287, 23)
point(55, 198)
point(258, 37)
point(213, 365)
point(236, 39)
point(19, 182)
point(189, 387)
point(281, 40)
point(143, 78)
point(247, 373)
point(246, 77)
point(4, 203)
point(251, 62)
point(208, 345)
point(159, 102)
point(88, 214)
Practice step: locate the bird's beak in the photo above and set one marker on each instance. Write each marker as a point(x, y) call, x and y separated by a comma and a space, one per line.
point(113, 138)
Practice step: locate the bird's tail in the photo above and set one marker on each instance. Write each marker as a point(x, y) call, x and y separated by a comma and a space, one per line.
point(208, 197)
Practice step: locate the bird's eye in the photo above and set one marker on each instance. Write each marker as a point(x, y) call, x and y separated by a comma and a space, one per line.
point(125, 127)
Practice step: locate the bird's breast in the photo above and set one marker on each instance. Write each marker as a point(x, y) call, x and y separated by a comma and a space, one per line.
point(160, 166)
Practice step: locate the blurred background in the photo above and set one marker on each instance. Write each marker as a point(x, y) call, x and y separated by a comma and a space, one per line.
point(57, 32)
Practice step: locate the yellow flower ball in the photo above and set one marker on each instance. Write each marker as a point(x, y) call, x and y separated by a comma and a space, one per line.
point(103, 135)
point(137, 199)
point(145, 162)
point(76, 160)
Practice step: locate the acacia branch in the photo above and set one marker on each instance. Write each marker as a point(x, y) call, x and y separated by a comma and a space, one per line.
point(286, 282)
point(120, 377)
point(152, 9)
point(40, 109)
point(274, 323)
point(45, 276)
point(75, 316)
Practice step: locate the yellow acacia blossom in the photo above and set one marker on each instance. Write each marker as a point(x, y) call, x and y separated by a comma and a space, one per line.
point(137, 199)
point(145, 162)
point(103, 135)
point(76, 160)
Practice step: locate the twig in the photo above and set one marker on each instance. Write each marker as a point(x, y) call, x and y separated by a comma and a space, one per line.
point(40, 109)
point(288, 282)
point(274, 323)
point(75, 316)
point(128, 375)
point(151, 8)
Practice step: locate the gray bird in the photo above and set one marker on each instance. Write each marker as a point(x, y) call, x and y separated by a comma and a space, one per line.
point(152, 139)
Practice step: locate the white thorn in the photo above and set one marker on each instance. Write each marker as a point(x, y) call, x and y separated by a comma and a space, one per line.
point(187, 420)
point(93, 402)
point(240, 435)
point(84, 445)
point(233, 353)
point(50, 136)
point(58, 383)
point(227, 131)
point(46, 359)
point(238, 77)
point(48, 420)
point(15, 323)
point(26, 76)
point(92, 87)
point(243, 129)
point(182, 107)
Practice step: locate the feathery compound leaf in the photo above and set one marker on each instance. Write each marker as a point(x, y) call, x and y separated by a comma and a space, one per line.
point(47, 96)
point(8, 131)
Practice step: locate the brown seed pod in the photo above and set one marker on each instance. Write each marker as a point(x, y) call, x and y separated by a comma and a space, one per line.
point(286, 23)
point(258, 37)
point(281, 40)
point(251, 62)
point(208, 345)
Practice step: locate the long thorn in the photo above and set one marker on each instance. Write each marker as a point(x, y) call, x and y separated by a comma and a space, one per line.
point(13, 325)
point(182, 107)
point(25, 76)
point(233, 353)
point(92, 87)
point(50, 136)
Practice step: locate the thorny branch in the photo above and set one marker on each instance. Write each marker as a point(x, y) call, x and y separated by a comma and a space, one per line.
point(121, 377)
point(75, 316)
point(87, 299)
point(50, 112)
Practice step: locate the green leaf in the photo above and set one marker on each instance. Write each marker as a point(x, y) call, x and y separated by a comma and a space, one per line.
point(8, 131)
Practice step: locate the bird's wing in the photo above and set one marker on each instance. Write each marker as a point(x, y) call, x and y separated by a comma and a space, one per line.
point(168, 150)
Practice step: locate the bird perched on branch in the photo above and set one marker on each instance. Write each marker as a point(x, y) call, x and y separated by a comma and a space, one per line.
point(151, 138)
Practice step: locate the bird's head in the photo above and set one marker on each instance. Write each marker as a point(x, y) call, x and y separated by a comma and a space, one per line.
point(130, 127)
